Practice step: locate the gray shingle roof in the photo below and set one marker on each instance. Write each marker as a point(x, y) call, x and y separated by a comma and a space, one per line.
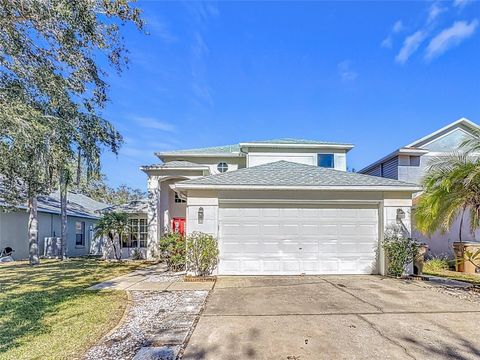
point(285, 173)
point(208, 150)
point(136, 206)
point(174, 165)
point(288, 141)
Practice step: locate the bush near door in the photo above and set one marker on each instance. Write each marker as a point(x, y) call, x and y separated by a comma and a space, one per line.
point(172, 251)
point(202, 253)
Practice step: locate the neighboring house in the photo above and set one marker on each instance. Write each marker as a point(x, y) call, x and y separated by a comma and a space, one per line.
point(410, 163)
point(138, 229)
point(81, 217)
point(282, 206)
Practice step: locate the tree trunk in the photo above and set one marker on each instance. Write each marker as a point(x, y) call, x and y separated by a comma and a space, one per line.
point(79, 168)
point(33, 231)
point(461, 225)
point(63, 212)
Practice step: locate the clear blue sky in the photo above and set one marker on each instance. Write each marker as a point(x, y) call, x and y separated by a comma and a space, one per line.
point(376, 74)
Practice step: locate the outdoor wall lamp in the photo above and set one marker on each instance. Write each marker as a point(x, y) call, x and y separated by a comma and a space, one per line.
point(201, 215)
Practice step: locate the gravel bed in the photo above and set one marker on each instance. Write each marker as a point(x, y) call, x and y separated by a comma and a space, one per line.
point(167, 276)
point(459, 293)
point(151, 313)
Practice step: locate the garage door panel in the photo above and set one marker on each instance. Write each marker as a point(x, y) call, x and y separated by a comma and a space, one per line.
point(322, 240)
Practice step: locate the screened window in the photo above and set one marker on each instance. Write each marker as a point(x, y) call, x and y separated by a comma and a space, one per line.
point(178, 199)
point(137, 236)
point(80, 233)
point(222, 167)
point(326, 160)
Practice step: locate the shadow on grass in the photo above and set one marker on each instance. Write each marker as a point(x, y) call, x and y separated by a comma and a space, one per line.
point(29, 295)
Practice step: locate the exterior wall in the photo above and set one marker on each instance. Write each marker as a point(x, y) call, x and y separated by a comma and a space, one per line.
point(13, 232)
point(302, 156)
point(388, 203)
point(375, 171)
point(389, 169)
point(234, 163)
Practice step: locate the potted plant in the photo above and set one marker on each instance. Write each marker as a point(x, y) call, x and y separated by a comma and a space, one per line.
point(451, 190)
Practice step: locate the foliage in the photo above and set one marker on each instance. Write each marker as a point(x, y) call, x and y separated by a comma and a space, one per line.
point(472, 278)
point(112, 226)
point(437, 264)
point(451, 188)
point(137, 255)
point(47, 312)
point(400, 251)
point(100, 191)
point(52, 89)
point(172, 250)
point(202, 253)
point(472, 257)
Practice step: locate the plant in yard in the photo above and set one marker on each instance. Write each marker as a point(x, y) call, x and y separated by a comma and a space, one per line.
point(137, 254)
point(172, 250)
point(202, 253)
point(112, 226)
point(437, 264)
point(400, 251)
point(451, 189)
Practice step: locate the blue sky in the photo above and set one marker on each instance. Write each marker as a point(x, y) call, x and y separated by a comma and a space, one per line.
point(376, 74)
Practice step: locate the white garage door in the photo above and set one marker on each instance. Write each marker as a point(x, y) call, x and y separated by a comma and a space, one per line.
point(292, 240)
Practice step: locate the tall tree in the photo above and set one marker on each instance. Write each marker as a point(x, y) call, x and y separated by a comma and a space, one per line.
point(52, 54)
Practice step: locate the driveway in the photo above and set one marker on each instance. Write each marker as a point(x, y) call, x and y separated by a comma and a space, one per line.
point(326, 317)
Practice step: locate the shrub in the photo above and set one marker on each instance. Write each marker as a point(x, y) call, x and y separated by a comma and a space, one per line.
point(436, 264)
point(399, 250)
point(172, 251)
point(137, 254)
point(202, 253)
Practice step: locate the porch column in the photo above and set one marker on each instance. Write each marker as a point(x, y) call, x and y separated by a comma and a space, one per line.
point(153, 189)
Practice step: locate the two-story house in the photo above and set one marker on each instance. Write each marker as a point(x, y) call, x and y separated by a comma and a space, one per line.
point(410, 163)
point(282, 206)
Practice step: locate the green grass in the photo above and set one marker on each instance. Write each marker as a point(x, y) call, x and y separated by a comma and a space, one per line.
point(47, 313)
point(473, 278)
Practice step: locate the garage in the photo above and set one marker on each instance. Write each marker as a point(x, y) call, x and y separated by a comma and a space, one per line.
point(296, 239)
point(286, 218)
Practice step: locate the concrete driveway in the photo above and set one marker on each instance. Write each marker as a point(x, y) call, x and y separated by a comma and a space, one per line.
point(332, 317)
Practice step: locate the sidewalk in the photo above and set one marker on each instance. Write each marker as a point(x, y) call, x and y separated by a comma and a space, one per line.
point(153, 278)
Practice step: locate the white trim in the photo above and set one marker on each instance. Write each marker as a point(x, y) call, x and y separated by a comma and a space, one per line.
point(182, 155)
point(299, 201)
point(156, 168)
point(457, 122)
point(447, 133)
point(412, 188)
point(401, 151)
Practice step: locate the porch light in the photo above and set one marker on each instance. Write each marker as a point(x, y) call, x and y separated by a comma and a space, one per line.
point(200, 215)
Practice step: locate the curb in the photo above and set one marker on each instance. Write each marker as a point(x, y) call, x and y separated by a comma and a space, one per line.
point(124, 316)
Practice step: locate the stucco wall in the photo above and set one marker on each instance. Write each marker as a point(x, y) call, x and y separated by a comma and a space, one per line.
point(13, 232)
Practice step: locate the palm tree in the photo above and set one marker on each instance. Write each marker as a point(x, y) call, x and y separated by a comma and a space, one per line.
point(451, 188)
point(112, 225)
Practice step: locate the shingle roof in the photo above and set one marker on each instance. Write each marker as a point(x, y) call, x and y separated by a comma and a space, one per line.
point(208, 150)
point(174, 165)
point(136, 206)
point(288, 141)
point(290, 174)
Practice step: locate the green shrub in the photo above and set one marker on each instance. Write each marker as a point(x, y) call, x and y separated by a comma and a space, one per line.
point(137, 254)
point(202, 253)
point(436, 264)
point(399, 251)
point(172, 251)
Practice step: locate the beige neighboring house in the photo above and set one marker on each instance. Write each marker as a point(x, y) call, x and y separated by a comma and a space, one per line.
point(278, 207)
point(409, 163)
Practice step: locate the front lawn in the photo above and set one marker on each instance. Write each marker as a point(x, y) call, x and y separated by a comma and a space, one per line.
point(47, 313)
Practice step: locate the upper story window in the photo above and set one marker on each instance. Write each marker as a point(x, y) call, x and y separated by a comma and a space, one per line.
point(178, 199)
point(222, 167)
point(325, 160)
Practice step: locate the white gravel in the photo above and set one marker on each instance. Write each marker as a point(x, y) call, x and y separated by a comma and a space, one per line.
point(167, 276)
point(152, 314)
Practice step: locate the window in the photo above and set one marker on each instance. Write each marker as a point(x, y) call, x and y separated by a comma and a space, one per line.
point(414, 160)
point(222, 167)
point(137, 236)
point(178, 199)
point(80, 233)
point(325, 160)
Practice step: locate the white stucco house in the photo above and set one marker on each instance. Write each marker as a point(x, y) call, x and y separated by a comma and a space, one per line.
point(409, 163)
point(278, 207)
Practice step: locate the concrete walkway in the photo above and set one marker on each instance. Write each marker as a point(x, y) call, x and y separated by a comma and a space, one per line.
point(334, 317)
point(153, 278)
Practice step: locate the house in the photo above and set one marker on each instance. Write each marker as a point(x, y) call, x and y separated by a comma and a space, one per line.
point(409, 163)
point(81, 217)
point(278, 207)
